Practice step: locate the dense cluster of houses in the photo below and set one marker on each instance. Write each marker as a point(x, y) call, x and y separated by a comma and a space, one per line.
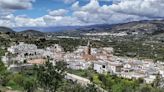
point(130, 68)
point(22, 55)
point(100, 59)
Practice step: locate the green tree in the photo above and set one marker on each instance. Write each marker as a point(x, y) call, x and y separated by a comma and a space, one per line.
point(50, 77)
point(156, 82)
point(29, 84)
point(2, 67)
point(3, 74)
point(145, 88)
point(117, 88)
point(91, 88)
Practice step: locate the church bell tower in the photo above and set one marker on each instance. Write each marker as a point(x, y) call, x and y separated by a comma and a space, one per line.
point(88, 49)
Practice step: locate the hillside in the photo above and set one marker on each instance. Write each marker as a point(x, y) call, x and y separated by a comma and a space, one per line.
point(144, 27)
point(151, 27)
point(6, 30)
point(31, 33)
point(141, 27)
point(148, 27)
point(48, 28)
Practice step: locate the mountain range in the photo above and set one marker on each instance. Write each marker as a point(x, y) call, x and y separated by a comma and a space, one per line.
point(6, 30)
point(48, 29)
point(144, 27)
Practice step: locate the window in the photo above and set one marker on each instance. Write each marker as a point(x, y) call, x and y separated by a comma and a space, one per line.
point(103, 66)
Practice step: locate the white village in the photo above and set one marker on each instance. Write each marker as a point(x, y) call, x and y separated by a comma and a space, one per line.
point(24, 56)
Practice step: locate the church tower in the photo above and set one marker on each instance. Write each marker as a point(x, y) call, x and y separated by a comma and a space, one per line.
point(88, 53)
point(88, 49)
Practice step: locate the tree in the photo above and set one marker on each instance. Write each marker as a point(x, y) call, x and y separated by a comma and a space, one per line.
point(50, 77)
point(2, 67)
point(117, 88)
point(91, 88)
point(29, 84)
point(3, 74)
point(146, 88)
point(106, 80)
point(156, 82)
point(70, 86)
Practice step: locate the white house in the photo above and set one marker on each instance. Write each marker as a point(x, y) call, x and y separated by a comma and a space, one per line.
point(100, 66)
point(150, 79)
point(78, 65)
point(132, 75)
point(115, 67)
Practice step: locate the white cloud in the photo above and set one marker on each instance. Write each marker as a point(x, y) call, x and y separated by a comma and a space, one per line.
point(24, 21)
point(75, 6)
point(20, 21)
point(69, 1)
point(148, 8)
point(16, 4)
point(92, 7)
point(8, 7)
point(46, 20)
point(61, 20)
point(60, 12)
point(91, 13)
point(66, 1)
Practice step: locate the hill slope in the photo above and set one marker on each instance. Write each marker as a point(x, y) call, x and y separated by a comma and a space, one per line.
point(31, 33)
point(6, 30)
point(149, 27)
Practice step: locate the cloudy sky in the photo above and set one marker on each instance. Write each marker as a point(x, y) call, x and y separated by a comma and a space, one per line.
point(29, 13)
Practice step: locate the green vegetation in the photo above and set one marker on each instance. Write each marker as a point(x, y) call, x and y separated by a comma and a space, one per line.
point(43, 78)
point(115, 84)
point(83, 73)
point(146, 47)
point(74, 87)
point(138, 49)
point(17, 81)
point(50, 77)
point(47, 78)
point(4, 42)
point(2, 52)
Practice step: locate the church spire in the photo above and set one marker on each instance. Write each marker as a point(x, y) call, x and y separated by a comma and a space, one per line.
point(88, 49)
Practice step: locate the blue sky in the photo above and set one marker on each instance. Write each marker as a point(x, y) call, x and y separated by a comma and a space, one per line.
point(30, 13)
point(41, 7)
